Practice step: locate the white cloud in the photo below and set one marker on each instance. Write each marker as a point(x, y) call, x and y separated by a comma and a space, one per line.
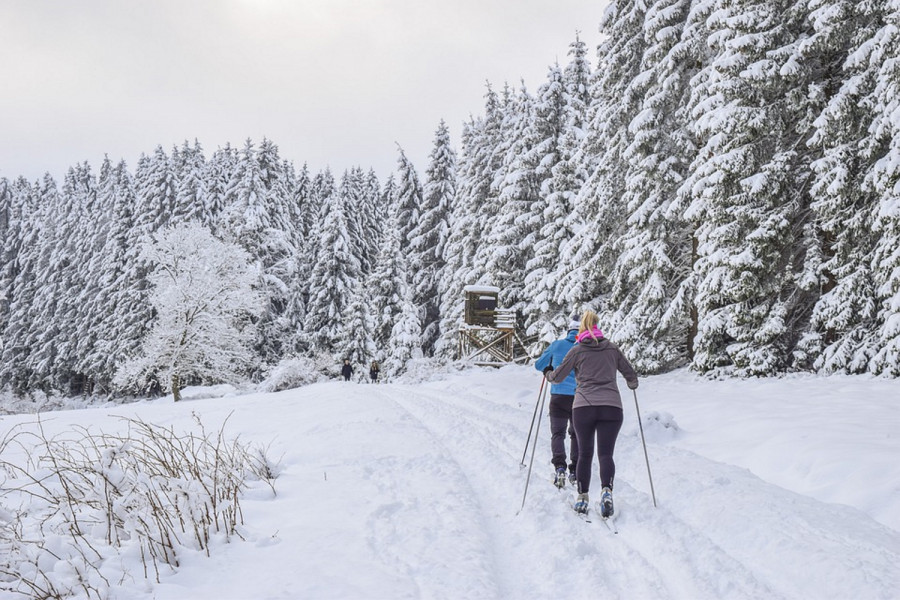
point(333, 82)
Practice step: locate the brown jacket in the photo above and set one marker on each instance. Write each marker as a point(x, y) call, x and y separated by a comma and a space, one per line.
point(595, 363)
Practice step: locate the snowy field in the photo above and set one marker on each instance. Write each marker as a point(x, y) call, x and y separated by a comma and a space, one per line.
point(774, 488)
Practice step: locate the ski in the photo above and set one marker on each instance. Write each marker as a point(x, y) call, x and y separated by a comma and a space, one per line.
point(610, 522)
point(583, 516)
point(559, 480)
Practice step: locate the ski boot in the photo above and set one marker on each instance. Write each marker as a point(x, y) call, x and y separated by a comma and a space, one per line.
point(606, 503)
point(572, 479)
point(581, 504)
point(560, 479)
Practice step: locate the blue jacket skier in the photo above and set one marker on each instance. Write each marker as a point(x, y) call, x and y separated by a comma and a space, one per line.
point(562, 395)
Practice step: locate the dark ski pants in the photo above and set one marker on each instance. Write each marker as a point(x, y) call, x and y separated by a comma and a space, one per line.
point(604, 423)
point(560, 422)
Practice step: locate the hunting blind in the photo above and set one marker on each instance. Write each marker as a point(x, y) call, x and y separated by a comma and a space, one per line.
point(488, 335)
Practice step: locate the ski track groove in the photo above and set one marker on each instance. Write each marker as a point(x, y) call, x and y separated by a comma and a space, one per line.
point(465, 495)
point(680, 554)
point(443, 431)
point(699, 581)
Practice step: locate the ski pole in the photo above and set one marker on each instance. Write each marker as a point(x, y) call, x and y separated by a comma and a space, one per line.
point(644, 443)
point(525, 451)
point(534, 446)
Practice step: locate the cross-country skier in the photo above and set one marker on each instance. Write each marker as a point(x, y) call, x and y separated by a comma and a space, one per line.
point(597, 410)
point(347, 369)
point(561, 397)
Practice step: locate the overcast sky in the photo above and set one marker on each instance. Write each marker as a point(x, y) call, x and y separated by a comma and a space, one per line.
point(332, 82)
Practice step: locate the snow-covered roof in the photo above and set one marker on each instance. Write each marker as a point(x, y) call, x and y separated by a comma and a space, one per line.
point(481, 289)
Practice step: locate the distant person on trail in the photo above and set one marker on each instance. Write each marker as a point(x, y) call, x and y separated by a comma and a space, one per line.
point(597, 410)
point(347, 370)
point(374, 370)
point(561, 397)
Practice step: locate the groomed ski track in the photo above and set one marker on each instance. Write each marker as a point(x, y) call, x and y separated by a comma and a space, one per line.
point(719, 532)
point(413, 491)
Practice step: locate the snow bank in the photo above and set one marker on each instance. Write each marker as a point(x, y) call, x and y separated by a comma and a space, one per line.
point(413, 490)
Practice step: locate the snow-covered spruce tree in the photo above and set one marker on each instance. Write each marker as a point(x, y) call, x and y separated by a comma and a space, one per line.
point(360, 220)
point(375, 205)
point(841, 333)
point(205, 297)
point(476, 169)
point(429, 236)
point(303, 210)
point(480, 164)
point(217, 175)
point(577, 79)
point(6, 255)
point(387, 283)
point(59, 228)
point(20, 252)
point(587, 259)
point(335, 272)
point(135, 223)
point(644, 314)
point(514, 112)
point(282, 246)
point(321, 192)
point(884, 180)
point(156, 187)
point(406, 336)
point(95, 225)
point(191, 188)
point(72, 317)
point(373, 220)
point(153, 190)
point(257, 217)
point(388, 200)
point(354, 334)
point(694, 51)
point(748, 191)
point(508, 235)
point(547, 317)
point(295, 311)
point(409, 198)
point(6, 267)
point(311, 196)
point(117, 333)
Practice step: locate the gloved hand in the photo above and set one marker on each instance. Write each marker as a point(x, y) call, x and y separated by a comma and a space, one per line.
point(548, 369)
point(632, 385)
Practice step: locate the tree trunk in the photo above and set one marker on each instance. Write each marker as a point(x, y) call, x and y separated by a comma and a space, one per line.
point(695, 324)
point(176, 388)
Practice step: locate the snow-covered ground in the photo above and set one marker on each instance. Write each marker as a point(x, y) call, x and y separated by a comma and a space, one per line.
point(771, 488)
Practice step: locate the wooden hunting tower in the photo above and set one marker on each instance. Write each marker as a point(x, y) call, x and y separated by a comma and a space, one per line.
point(488, 335)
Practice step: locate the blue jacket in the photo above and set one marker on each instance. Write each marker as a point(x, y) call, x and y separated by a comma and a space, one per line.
point(556, 352)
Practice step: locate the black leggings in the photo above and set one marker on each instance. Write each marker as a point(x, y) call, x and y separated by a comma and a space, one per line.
point(560, 421)
point(604, 422)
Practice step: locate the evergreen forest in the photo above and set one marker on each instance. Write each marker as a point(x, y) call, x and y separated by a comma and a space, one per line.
point(719, 180)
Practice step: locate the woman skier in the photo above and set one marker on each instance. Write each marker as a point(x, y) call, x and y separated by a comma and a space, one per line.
point(597, 409)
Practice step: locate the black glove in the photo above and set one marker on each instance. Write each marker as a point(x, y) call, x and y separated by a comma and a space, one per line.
point(632, 385)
